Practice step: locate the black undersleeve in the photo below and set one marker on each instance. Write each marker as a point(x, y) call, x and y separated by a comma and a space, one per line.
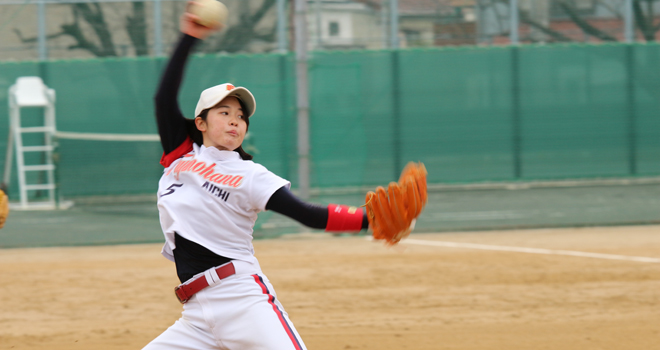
point(173, 127)
point(192, 258)
point(308, 214)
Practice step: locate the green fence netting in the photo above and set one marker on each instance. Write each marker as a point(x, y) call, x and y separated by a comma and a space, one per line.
point(470, 114)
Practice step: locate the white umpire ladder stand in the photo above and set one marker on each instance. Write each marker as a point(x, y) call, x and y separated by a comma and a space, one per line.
point(31, 92)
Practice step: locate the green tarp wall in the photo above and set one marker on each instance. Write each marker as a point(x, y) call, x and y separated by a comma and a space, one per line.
point(470, 114)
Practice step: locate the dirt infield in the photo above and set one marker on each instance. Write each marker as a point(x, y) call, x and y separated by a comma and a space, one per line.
point(350, 293)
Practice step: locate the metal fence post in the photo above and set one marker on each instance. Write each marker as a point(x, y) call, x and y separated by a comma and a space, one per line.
point(394, 24)
point(632, 115)
point(41, 30)
point(158, 28)
point(317, 14)
point(396, 106)
point(281, 26)
point(478, 30)
point(629, 22)
point(514, 22)
point(383, 21)
point(302, 94)
point(515, 113)
point(396, 115)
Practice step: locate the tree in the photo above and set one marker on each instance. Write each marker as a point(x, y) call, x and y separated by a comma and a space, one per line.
point(237, 37)
point(644, 13)
point(100, 42)
point(136, 26)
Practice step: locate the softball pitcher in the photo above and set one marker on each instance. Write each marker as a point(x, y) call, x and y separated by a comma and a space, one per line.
point(208, 199)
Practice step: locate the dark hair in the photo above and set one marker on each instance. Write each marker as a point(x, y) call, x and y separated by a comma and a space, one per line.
point(198, 138)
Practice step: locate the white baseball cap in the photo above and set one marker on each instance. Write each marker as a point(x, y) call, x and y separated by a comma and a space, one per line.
point(213, 95)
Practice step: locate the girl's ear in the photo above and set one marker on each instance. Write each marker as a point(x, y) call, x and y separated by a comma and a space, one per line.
point(201, 124)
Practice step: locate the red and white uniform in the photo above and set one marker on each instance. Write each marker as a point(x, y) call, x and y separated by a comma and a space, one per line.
point(208, 201)
point(212, 198)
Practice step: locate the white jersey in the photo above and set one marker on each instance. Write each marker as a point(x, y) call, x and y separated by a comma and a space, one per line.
point(212, 197)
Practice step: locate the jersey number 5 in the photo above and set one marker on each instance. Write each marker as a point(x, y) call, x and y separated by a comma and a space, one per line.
point(171, 189)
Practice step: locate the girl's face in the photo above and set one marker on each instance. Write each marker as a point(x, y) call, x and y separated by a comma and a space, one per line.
point(225, 125)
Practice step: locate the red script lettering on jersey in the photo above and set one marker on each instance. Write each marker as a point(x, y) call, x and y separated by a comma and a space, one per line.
point(206, 171)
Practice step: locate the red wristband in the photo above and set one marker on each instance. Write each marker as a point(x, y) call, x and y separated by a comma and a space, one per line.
point(342, 218)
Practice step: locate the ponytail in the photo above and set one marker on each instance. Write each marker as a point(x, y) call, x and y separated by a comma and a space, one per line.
point(244, 155)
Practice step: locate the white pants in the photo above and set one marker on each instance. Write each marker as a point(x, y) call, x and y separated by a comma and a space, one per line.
point(239, 312)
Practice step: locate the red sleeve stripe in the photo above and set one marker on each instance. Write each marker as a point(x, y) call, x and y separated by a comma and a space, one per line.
point(285, 324)
point(185, 147)
point(342, 218)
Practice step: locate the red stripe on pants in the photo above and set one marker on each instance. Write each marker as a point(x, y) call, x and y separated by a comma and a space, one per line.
point(271, 301)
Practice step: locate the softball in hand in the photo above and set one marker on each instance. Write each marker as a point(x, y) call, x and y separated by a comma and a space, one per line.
point(211, 13)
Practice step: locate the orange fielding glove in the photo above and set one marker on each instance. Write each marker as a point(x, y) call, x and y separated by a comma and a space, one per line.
point(4, 208)
point(391, 212)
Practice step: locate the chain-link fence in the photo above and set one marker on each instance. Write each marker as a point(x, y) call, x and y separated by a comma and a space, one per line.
point(53, 29)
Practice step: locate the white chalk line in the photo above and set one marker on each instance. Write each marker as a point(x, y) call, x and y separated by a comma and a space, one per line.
point(531, 250)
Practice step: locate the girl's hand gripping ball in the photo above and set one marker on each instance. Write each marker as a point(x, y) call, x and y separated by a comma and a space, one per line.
point(208, 13)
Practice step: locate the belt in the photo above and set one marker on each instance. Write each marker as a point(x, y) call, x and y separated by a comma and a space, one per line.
point(186, 291)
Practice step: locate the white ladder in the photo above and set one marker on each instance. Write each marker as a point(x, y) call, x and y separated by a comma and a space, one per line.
point(31, 92)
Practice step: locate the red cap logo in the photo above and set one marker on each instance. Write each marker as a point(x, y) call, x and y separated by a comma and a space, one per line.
point(230, 87)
